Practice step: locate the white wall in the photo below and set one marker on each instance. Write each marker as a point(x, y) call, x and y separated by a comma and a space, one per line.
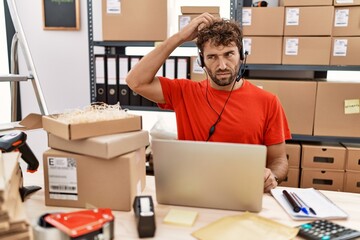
point(4, 69)
point(60, 59)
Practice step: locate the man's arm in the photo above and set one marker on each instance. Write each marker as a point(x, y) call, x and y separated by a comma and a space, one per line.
point(276, 166)
point(141, 79)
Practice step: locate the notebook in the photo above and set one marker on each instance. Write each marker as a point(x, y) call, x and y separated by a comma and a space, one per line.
point(216, 175)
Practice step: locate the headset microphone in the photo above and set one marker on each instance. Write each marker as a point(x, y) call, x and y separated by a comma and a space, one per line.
point(242, 68)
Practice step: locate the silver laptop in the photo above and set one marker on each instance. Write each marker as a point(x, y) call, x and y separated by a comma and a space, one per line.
point(209, 174)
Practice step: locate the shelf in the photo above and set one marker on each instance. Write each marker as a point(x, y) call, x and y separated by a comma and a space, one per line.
point(134, 44)
point(279, 67)
point(311, 138)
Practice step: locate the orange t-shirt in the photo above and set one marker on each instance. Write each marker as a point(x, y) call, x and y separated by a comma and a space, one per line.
point(251, 115)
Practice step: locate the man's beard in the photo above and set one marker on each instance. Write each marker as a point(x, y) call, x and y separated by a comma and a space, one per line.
point(222, 81)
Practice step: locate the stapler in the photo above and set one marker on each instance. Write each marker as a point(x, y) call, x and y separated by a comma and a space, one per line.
point(145, 215)
point(17, 141)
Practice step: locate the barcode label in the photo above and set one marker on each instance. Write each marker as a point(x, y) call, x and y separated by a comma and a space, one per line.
point(62, 175)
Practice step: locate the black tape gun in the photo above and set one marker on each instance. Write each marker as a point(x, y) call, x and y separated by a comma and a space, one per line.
point(17, 141)
point(145, 216)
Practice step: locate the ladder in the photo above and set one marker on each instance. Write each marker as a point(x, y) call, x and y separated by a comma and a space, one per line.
point(14, 77)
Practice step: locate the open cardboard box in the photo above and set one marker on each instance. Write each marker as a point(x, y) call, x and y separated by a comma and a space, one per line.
point(91, 129)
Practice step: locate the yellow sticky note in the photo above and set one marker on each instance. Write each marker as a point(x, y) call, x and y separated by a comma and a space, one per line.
point(181, 217)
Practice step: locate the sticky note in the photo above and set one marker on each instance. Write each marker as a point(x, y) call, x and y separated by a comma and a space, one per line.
point(181, 217)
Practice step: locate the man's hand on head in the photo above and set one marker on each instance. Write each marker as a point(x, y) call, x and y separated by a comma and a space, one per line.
point(190, 31)
point(270, 180)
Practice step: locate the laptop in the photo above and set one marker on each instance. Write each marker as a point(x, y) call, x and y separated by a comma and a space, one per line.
point(215, 175)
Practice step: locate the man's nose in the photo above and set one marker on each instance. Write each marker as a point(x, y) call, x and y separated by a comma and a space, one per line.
point(222, 63)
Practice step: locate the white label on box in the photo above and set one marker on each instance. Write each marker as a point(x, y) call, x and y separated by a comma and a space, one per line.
point(113, 6)
point(246, 17)
point(196, 67)
point(183, 21)
point(344, 1)
point(292, 46)
point(340, 47)
point(62, 178)
point(292, 16)
point(352, 106)
point(341, 18)
point(247, 45)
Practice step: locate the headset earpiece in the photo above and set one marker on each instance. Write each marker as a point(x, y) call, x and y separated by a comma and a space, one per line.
point(200, 60)
point(242, 54)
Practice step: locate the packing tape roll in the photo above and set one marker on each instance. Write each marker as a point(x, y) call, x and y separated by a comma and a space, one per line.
point(44, 231)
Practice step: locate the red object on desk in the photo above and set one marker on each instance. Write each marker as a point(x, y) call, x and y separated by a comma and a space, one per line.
point(79, 223)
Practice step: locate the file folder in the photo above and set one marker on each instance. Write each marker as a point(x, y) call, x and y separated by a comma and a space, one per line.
point(135, 99)
point(170, 68)
point(124, 97)
point(183, 68)
point(100, 78)
point(112, 79)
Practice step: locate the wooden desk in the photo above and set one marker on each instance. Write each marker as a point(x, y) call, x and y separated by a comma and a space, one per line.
point(125, 222)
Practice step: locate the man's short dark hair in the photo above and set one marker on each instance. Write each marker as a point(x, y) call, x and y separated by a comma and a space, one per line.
point(222, 32)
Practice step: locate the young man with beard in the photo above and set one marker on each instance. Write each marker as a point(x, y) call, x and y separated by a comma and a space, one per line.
point(223, 108)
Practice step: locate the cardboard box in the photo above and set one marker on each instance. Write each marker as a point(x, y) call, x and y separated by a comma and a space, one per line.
point(346, 21)
point(319, 155)
point(293, 154)
point(345, 51)
point(337, 111)
point(199, 9)
point(30, 122)
point(73, 180)
point(106, 146)
point(135, 20)
point(352, 156)
point(308, 21)
point(92, 129)
point(292, 179)
point(346, 3)
point(263, 50)
point(191, 12)
point(263, 21)
point(306, 50)
point(298, 100)
point(352, 181)
point(322, 179)
point(306, 2)
point(197, 73)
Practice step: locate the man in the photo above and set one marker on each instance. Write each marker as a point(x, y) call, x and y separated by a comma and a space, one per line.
point(223, 108)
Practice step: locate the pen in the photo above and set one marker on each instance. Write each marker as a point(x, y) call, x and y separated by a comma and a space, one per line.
point(303, 208)
point(302, 201)
point(292, 202)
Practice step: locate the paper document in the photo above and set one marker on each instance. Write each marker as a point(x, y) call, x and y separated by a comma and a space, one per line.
point(323, 207)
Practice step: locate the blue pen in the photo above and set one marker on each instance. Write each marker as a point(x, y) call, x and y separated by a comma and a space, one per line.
point(298, 201)
point(311, 209)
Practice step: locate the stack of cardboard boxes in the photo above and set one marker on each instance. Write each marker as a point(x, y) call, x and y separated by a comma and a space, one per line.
point(352, 168)
point(94, 165)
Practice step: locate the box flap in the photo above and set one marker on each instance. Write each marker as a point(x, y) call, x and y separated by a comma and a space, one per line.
point(32, 121)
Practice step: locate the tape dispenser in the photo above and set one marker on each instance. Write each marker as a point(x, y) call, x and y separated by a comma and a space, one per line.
point(145, 216)
point(80, 225)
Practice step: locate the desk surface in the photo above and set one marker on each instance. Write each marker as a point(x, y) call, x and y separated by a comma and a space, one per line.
point(125, 222)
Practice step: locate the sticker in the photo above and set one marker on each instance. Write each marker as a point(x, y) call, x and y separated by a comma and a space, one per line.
point(62, 178)
point(292, 16)
point(352, 106)
point(341, 18)
point(113, 6)
point(246, 17)
point(247, 45)
point(344, 1)
point(340, 47)
point(292, 46)
point(183, 21)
